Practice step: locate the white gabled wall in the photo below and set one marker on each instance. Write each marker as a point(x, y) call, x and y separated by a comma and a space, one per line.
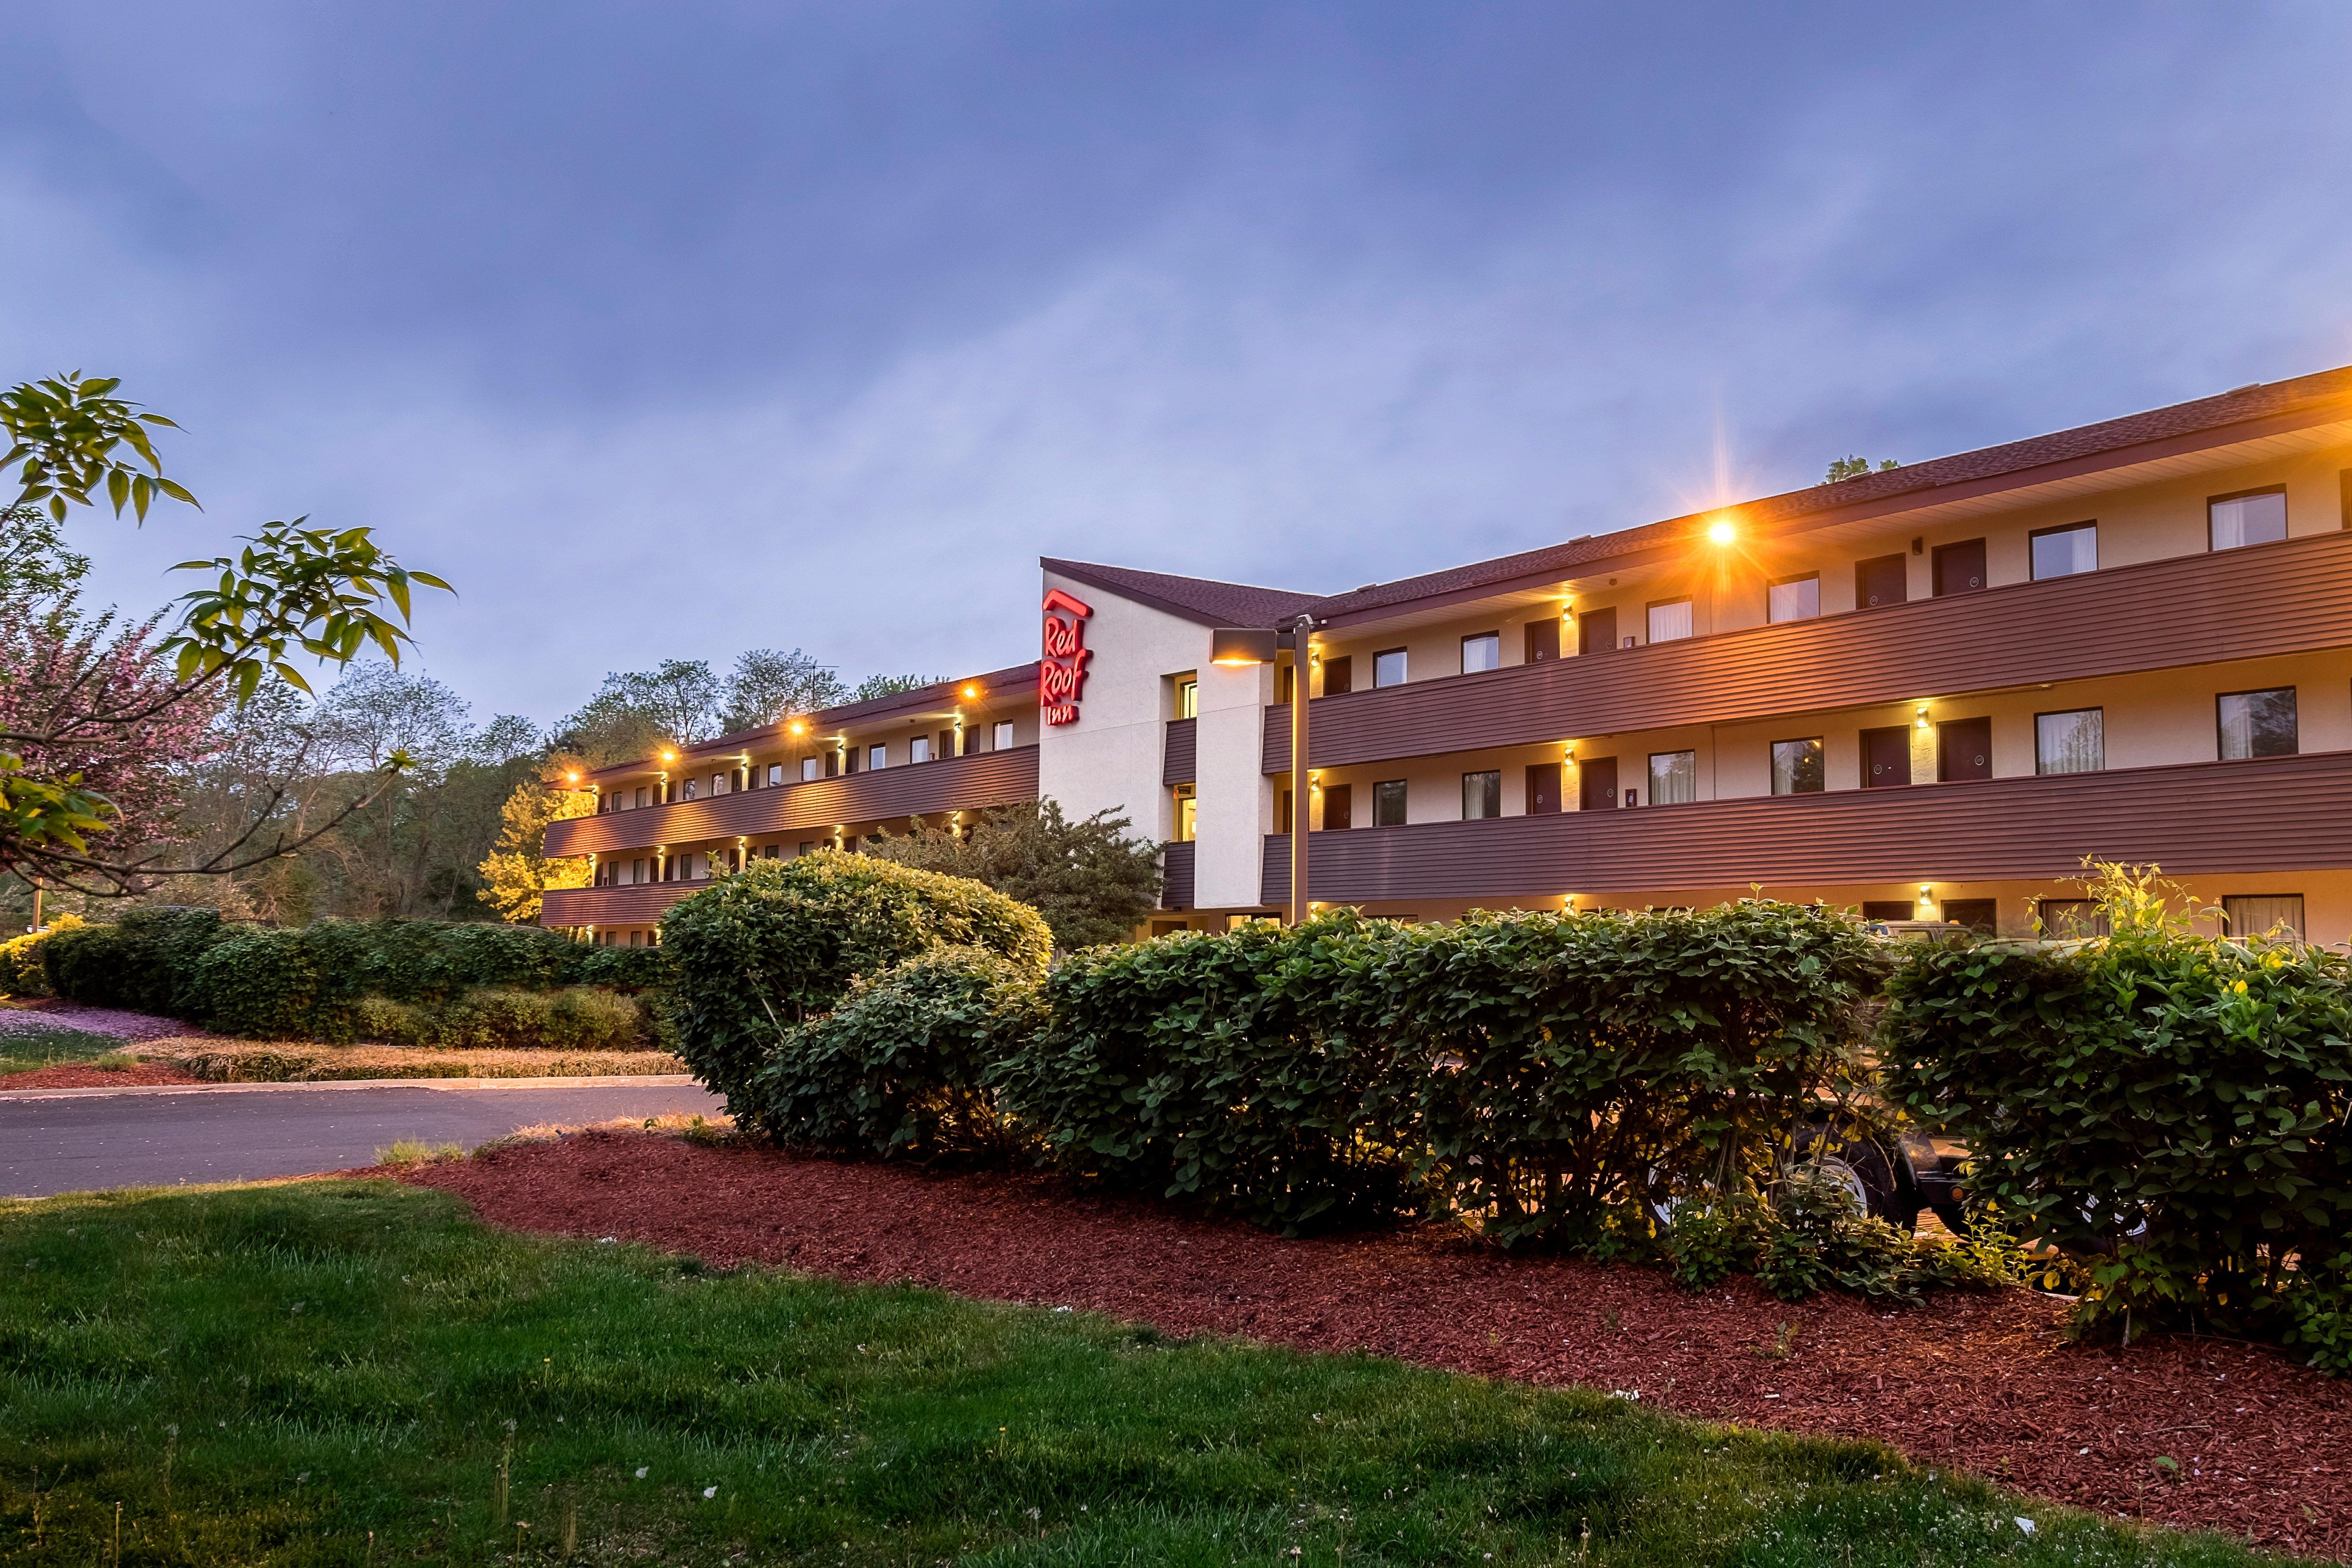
point(1112, 757)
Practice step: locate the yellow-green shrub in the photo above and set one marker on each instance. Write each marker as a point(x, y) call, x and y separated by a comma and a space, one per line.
point(21, 972)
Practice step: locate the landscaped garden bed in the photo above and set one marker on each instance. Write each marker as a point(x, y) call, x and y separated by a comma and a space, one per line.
point(2192, 1432)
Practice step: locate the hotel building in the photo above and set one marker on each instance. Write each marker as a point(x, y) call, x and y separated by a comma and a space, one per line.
point(1928, 691)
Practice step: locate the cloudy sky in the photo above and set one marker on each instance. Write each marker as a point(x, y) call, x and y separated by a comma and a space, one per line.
point(670, 329)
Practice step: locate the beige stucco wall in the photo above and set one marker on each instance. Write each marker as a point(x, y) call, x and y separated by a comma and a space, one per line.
point(1112, 757)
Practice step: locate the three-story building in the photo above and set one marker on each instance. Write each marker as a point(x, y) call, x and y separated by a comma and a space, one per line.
point(1928, 692)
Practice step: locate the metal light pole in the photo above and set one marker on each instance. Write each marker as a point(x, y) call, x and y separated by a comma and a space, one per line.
point(1244, 645)
point(1301, 789)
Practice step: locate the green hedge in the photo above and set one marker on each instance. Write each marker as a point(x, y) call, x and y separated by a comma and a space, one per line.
point(1547, 1074)
point(316, 982)
point(761, 952)
point(2169, 1108)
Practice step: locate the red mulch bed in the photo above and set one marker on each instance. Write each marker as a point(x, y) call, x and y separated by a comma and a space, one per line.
point(76, 1075)
point(1981, 1381)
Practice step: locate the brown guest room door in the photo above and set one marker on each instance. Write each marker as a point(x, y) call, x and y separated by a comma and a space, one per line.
point(1964, 750)
point(1543, 788)
point(1596, 784)
point(1596, 631)
point(1887, 757)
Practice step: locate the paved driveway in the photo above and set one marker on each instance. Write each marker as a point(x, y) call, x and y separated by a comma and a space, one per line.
point(63, 1141)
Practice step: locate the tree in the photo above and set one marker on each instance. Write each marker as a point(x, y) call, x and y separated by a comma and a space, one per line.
point(766, 688)
point(92, 695)
point(1844, 468)
point(679, 702)
point(519, 872)
point(875, 686)
point(1091, 882)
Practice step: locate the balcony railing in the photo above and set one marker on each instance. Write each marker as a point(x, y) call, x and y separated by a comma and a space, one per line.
point(2293, 597)
point(918, 789)
point(610, 908)
point(2277, 815)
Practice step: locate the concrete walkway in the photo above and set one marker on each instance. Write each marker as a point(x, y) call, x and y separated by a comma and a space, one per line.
point(76, 1140)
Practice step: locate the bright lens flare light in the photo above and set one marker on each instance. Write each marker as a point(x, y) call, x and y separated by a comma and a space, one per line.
point(1721, 531)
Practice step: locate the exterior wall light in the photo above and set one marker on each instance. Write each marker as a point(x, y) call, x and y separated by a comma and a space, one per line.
point(1721, 531)
point(1922, 715)
point(1236, 646)
point(972, 694)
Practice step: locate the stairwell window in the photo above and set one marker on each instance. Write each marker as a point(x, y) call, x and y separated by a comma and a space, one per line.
point(2256, 723)
point(1670, 620)
point(1674, 778)
point(1793, 598)
point(1482, 652)
point(1188, 698)
point(2065, 552)
point(2071, 742)
point(1482, 795)
point(1798, 767)
point(2247, 517)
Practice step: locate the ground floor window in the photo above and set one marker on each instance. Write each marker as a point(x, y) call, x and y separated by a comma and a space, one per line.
point(2249, 915)
point(2070, 920)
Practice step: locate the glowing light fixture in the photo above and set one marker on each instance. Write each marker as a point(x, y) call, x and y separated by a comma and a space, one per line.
point(1922, 715)
point(972, 694)
point(669, 756)
point(1721, 531)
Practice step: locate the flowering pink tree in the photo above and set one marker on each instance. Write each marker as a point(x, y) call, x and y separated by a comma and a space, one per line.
point(98, 722)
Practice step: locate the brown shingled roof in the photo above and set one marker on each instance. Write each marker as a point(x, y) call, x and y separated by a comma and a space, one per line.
point(2244, 406)
point(1200, 599)
point(1014, 677)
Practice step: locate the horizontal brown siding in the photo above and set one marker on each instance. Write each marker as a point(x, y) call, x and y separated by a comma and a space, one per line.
point(1176, 877)
point(2281, 813)
point(2293, 596)
point(609, 908)
point(918, 789)
point(1179, 760)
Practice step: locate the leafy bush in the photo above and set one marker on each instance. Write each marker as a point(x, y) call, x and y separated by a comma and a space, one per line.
point(1223, 1067)
point(314, 981)
point(899, 1067)
point(1550, 1068)
point(758, 954)
point(140, 961)
point(2168, 1108)
point(21, 970)
point(1538, 1072)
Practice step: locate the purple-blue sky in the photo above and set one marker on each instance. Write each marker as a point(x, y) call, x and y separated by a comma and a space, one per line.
point(667, 330)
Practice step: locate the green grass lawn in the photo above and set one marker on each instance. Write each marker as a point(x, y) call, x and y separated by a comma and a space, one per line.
point(22, 1050)
point(267, 1376)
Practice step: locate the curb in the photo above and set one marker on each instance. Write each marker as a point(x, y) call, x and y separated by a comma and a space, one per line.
point(639, 1080)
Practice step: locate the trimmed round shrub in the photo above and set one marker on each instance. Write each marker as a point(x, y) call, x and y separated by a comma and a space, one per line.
point(900, 1067)
point(759, 953)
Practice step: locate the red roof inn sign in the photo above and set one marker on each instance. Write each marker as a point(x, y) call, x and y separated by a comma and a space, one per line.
point(1062, 674)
